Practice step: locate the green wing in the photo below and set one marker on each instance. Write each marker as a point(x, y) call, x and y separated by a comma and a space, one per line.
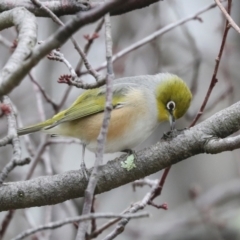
point(88, 103)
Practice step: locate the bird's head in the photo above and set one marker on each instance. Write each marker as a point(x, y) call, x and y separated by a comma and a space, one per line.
point(173, 98)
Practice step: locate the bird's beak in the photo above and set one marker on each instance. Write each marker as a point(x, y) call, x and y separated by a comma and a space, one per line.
point(172, 121)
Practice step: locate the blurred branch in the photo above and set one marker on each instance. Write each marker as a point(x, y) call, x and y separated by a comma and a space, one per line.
point(26, 26)
point(90, 39)
point(147, 199)
point(192, 46)
point(214, 76)
point(105, 226)
point(218, 204)
point(82, 218)
point(102, 137)
point(56, 6)
point(58, 188)
point(72, 7)
point(5, 42)
point(88, 66)
point(12, 138)
point(5, 222)
point(15, 75)
point(154, 35)
point(43, 92)
point(227, 15)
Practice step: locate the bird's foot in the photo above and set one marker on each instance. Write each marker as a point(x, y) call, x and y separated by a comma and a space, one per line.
point(172, 134)
point(84, 170)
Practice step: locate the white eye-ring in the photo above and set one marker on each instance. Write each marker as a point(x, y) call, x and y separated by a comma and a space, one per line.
point(171, 105)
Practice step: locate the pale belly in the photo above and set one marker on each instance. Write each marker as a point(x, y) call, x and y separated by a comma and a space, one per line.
point(125, 131)
point(128, 140)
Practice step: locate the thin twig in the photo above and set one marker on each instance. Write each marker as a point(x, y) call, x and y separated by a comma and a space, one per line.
point(154, 35)
point(157, 190)
point(89, 193)
point(88, 66)
point(193, 48)
point(37, 157)
point(87, 47)
point(133, 209)
point(227, 15)
point(5, 222)
point(214, 76)
point(93, 221)
point(82, 218)
point(12, 131)
point(43, 92)
point(105, 226)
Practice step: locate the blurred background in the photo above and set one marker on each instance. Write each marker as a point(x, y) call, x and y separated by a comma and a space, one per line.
point(202, 192)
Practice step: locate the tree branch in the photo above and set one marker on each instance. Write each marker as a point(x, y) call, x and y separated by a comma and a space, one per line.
point(58, 188)
point(228, 17)
point(72, 7)
point(69, 7)
point(14, 76)
point(57, 224)
point(154, 35)
point(25, 23)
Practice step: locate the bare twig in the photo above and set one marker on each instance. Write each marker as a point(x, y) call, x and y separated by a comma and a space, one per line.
point(37, 156)
point(46, 154)
point(30, 219)
point(227, 15)
point(214, 76)
point(80, 84)
point(133, 209)
point(154, 35)
point(89, 193)
point(105, 226)
point(93, 221)
point(158, 189)
point(82, 218)
point(12, 132)
point(87, 47)
point(5, 222)
point(193, 48)
point(88, 66)
point(43, 92)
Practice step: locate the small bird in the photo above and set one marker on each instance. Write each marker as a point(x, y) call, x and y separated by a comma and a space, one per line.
point(139, 103)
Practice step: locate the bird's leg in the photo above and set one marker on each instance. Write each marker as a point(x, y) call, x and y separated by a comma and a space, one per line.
point(82, 165)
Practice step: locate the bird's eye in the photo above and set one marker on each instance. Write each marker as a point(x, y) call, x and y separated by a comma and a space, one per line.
point(171, 105)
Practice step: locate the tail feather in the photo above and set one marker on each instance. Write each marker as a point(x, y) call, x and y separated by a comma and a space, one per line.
point(33, 128)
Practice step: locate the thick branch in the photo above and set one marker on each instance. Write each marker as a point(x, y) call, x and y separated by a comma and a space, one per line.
point(60, 9)
point(72, 7)
point(25, 23)
point(58, 188)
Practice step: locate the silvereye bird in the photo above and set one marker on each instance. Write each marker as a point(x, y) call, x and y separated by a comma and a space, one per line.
point(140, 103)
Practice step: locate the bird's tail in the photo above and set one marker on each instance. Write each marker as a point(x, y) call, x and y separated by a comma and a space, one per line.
point(34, 128)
